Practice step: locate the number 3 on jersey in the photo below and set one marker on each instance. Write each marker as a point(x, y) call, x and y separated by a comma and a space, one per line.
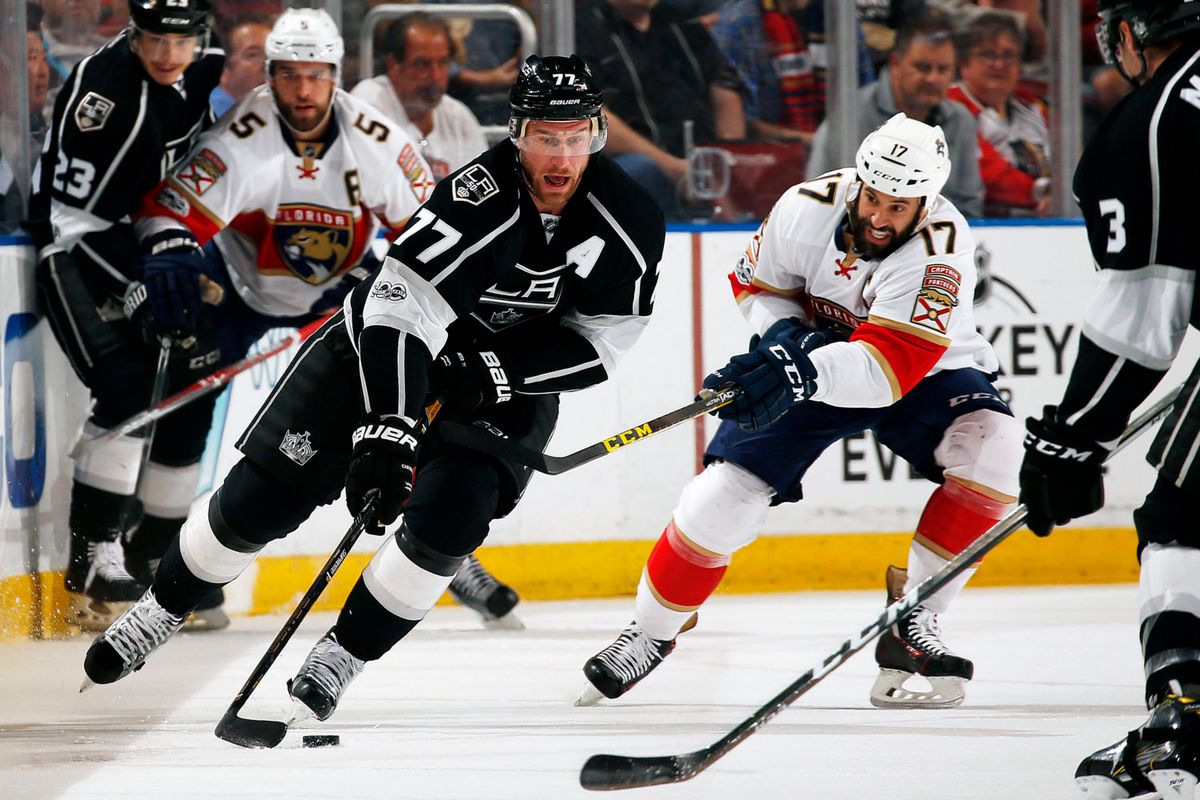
point(1116, 225)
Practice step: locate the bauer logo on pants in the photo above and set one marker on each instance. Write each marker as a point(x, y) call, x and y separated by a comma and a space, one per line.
point(297, 447)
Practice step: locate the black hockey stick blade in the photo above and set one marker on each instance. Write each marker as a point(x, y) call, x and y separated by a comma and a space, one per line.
point(482, 440)
point(263, 733)
point(610, 772)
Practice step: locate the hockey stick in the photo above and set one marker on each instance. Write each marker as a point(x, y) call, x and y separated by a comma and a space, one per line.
point(481, 440)
point(246, 732)
point(210, 383)
point(156, 396)
point(608, 772)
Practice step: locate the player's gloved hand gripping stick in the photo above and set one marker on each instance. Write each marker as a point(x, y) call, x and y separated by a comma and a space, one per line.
point(608, 772)
point(247, 732)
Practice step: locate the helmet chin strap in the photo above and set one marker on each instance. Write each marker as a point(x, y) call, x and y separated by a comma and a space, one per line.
point(1136, 80)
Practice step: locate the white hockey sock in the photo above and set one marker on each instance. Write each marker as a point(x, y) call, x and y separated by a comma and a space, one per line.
point(922, 563)
point(654, 618)
point(1170, 580)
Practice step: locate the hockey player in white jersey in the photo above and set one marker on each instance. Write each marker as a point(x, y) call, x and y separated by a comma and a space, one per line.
point(860, 284)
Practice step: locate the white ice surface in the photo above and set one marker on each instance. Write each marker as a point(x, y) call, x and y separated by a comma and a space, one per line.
point(458, 712)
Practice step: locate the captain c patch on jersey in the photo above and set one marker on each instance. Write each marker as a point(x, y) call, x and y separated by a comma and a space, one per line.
point(92, 112)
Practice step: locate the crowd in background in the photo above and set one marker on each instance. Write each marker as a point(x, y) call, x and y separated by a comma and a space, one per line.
point(677, 75)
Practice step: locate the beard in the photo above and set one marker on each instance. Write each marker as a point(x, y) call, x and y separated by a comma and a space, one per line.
point(871, 250)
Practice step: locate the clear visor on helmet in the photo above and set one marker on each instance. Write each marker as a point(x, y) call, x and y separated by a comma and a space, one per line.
point(552, 137)
point(158, 45)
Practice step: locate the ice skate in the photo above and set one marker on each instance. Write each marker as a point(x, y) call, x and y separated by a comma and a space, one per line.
point(323, 677)
point(123, 648)
point(208, 615)
point(478, 590)
point(913, 646)
point(1158, 761)
point(617, 668)
point(99, 586)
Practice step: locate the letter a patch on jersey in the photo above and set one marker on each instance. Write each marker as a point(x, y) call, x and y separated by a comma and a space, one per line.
point(92, 112)
point(474, 185)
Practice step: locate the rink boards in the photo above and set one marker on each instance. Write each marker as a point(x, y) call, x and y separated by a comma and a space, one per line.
point(586, 533)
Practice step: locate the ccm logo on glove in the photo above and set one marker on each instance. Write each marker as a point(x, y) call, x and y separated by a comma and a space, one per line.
point(790, 370)
point(1055, 450)
point(385, 433)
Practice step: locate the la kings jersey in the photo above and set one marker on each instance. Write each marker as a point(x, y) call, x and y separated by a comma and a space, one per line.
point(1135, 184)
point(289, 217)
point(115, 132)
point(477, 267)
point(899, 318)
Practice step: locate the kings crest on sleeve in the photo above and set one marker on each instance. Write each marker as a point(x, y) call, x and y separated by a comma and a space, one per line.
point(92, 111)
point(297, 447)
point(474, 185)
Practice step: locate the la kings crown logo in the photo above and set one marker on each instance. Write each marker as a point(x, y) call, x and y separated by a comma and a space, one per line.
point(297, 447)
point(92, 112)
point(474, 185)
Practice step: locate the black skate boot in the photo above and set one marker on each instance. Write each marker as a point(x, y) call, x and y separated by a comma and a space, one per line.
point(99, 585)
point(136, 634)
point(324, 676)
point(617, 668)
point(1161, 759)
point(913, 646)
point(209, 614)
point(478, 590)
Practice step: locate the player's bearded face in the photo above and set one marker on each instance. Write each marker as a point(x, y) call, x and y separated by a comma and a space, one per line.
point(303, 92)
point(554, 160)
point(880, 222)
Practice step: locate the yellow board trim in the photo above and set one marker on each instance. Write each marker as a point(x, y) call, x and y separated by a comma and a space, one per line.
point(819, 562)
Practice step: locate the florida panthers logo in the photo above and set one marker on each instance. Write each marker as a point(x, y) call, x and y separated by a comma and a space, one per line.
point(313, 242)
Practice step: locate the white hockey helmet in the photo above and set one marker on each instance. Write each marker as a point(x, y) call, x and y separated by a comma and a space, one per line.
point(904, 157)
point(305, 34)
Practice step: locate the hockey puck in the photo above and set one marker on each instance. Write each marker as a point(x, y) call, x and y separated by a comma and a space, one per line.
point(324, 740)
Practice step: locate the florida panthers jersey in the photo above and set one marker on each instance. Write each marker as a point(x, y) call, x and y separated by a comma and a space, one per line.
point(290, 217)
point(899, 318)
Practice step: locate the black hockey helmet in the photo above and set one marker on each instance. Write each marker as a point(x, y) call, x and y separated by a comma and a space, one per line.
point(1150, 21)
point(187, 17)
point(558, 89)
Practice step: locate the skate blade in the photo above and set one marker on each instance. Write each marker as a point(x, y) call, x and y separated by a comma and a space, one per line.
point(509, 622)
point(1099, 787)
point(208, 619)
point(88, 683)
point(88, 614)
point(1173, 784)
point(889, 691)
point(591, 696)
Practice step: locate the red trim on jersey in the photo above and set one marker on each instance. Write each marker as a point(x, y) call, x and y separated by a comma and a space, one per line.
point(202, 226)
point(956, 516)
point(740, 289)
point(909, 356)
point(679, 575)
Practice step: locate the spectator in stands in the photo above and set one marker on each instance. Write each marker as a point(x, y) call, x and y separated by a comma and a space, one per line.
point(245, 64)
point(38, 82)
point(778, 47)
point(1014, 128)
point(915, 81)
point(412, 91)
point(70, 32)
point(491, 53)
point(38, 74)
point(656, 75)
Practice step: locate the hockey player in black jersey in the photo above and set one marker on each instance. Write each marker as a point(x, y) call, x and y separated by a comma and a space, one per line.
point(1141, 231)
point(125, 115)
point(528, 273)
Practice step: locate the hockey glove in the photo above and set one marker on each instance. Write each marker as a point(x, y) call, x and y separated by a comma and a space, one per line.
point(1062, 474)
point(384, 458)
point(468, 381)
point(773, 377)
point(173, 291)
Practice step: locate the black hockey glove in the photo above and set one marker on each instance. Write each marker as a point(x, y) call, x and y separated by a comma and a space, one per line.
point(468, 381)
point(171, 298)
point(774, 376)
point(1062, 474)
point(384, 458)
